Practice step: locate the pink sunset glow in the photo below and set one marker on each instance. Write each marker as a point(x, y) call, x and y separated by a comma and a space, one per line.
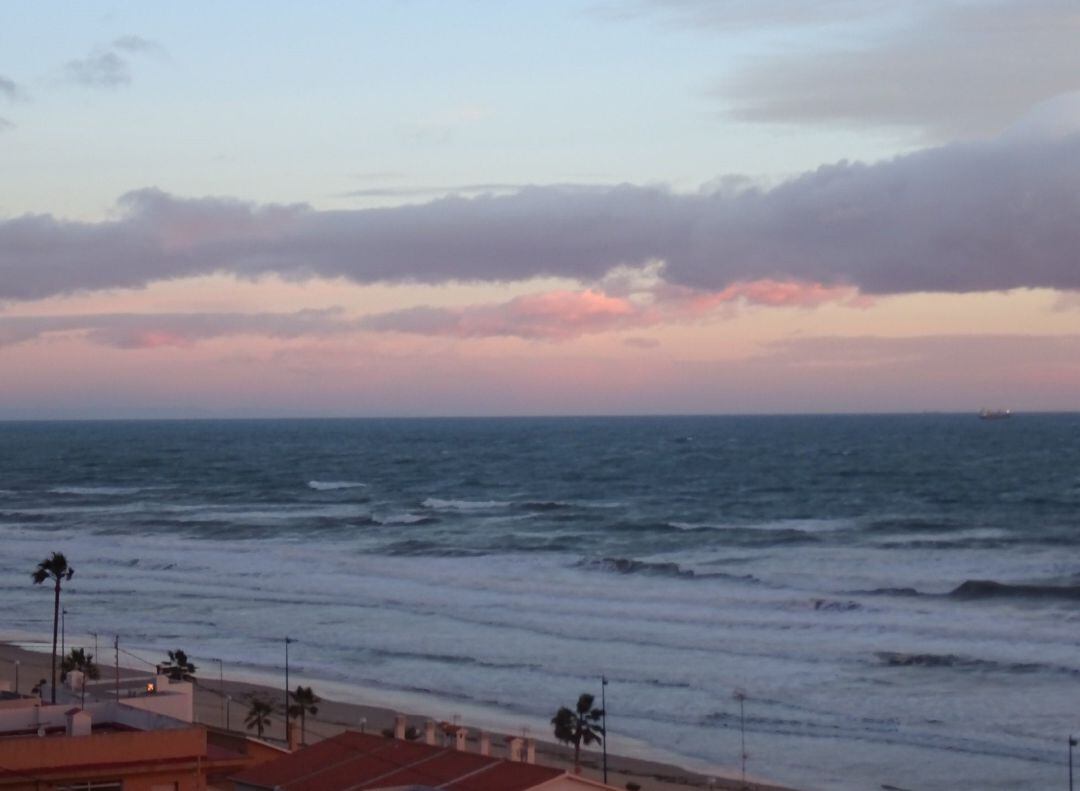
point(691, 263)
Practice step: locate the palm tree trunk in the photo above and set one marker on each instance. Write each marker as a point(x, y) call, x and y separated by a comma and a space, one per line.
point(55, 628)
point(577, 757)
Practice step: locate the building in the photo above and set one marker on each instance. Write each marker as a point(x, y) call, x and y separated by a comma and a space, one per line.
point(358, 761)
point(131, 743)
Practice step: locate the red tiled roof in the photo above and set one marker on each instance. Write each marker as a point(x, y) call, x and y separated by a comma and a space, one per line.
point(507, 776)
point(359, 761)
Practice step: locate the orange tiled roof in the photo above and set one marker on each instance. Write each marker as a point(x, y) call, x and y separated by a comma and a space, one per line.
point(359, 761)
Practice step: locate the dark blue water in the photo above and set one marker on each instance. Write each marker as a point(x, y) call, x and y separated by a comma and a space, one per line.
point(499, 566)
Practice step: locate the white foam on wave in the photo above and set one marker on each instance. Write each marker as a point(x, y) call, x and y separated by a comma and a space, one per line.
point(403, 519)
point(331, 486)
point(674, 647)
point(109, 491)
point(802, 525)
point(462, 505)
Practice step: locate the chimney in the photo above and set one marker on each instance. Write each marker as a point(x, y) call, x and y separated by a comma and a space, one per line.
point(78, 723)
point(461, 737)
point(294, 735)
point(530, 751)
point(429, 732)
point(399, 726)
point(515, 748)
point(485, 743)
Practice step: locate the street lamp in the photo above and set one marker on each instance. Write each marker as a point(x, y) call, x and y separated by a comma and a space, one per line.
point(221, 686)
point(603, 714)
point(228, 712)
point(1072, 743)
point(287, 641)
point(741, 697)
point(16, 676)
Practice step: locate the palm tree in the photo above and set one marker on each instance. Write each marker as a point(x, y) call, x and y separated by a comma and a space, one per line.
point(79, 660)
point(258, 716)
point(580, 725)
point(304, 701)
point(56, 568)
point(179, 667)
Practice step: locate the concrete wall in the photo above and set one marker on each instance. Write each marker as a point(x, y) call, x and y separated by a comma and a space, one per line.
point(142, 759)
point(31, 718)
point(18, 703)
point(174, 699)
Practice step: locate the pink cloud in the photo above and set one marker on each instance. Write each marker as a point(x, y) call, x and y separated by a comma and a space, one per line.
point(563, 315)
point(766, 292)
point(559, 315)
point(156, 330)
point(553, 315)
point(153, 339)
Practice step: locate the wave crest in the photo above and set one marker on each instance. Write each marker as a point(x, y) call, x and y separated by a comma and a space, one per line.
point(991, 589)
point(437, 504)
point(332, 486)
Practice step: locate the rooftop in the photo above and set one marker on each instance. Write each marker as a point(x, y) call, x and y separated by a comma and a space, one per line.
point(358, 761)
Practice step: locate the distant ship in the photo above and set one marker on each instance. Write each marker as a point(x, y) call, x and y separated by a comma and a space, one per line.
point(994, 414)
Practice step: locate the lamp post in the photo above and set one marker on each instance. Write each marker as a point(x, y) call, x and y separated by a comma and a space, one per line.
point(287, 641)
point(228, 712)
point(221, 686)
point(741, 697)
point(63, 632)
point(603, 714)
point(16, 676)
point(1072, 743)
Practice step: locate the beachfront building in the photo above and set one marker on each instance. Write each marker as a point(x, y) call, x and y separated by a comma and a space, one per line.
point(134, 743)
point(156, 693)
point(106, 747)
point(358, 761)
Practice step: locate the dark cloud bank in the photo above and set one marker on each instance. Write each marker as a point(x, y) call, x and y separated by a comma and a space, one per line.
point(959, 218)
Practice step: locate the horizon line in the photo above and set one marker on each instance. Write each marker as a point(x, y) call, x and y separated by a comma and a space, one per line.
point(524, 416)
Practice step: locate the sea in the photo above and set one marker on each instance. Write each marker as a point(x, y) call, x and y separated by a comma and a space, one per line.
point(867, 602)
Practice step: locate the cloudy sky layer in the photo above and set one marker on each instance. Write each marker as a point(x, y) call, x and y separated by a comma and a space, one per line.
point(581, 207)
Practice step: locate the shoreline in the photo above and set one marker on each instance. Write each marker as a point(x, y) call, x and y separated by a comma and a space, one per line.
point(336, 715)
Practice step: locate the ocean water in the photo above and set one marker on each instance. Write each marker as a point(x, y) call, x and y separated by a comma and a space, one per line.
point(818, 564)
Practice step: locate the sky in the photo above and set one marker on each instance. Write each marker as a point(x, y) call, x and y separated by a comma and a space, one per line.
point(455, 207)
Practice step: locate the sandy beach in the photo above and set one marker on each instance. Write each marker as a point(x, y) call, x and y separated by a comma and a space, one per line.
point(223, 703)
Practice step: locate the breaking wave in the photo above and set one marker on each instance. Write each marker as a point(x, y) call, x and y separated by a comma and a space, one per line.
point(990, 589)
point(960, 662)
point(332, 486)
point(106, 491)
point(655, 569)
point(406, 519)
point(436, 504)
